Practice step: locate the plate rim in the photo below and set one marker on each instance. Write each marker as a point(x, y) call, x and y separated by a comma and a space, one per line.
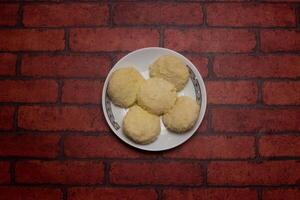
point(203, 98)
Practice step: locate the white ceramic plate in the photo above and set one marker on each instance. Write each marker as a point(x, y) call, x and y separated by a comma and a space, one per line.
point(141, 59)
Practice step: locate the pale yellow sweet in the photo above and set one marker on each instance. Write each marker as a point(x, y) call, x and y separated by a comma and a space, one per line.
point(183, 116)
point(141, 126)
point(157, 96)
point(172, 69)
point(123, 86)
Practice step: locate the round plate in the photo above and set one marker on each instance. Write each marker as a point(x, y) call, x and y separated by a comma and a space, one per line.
point(141, 59)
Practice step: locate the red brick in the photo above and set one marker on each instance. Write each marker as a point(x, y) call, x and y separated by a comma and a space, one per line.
point(174, 173)
point(250, 14)
point(61, 118)
point(111, 194)
point(100, 146)
point(210, 40)
point(200, 63)
point(209, 194)
point(280, 40)
point(220, 0)
point(158, 13)
point(27, 193)
point(31, 40)
point(281, 194)
point(297, 15)
point(255, 120)
point(217, 1)
point(283, 66)
point(6, 117)
point(60, 172)
point(63, 14)
point(7, 64)
point(29, 145)
point(28, 91)
point(112, 39)
point(282, 1)
point(57, 1)
point(8, 14)
point(282, 93)
point(4, 172)
point(66, 66)
point(82, 91)
point(118, 56)
point(204, 124)
point(281, 145)
point(231, 92)
point(213, 147)
point(246, 173)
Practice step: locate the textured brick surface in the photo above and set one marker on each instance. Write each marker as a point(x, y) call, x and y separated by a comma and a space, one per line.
point(246, 173)
point(29, 145)
point(4, 172)
point(273, 146)
point(111, 193)
point(231, 92)
point(265, 15)
point(84, 66)
point(158, 13)
point(281, 93)
point(29, 193)
point(77, 91)
point(281, 194)
point(280, 40)
point(99, 146)
point(63, 172)
point(204, 125)
point(210, 194)
point(205, 147)
point(28, 91)
point(7, 64)
point(210, 40)
point(61, 118)
point(55, 143)
point(31, 40)
point(64, 14)
point(8, 14)
point(6, 117)
point(200, 62)
point(116, 39)
point(156, 173)
point(282, 66)
point(256, 120)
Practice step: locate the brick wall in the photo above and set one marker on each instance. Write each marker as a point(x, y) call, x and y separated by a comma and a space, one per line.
point(56, 145)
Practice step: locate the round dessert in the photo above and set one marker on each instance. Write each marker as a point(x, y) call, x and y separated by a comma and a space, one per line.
point(123, 86)
point(141, 126)
point(172, 69)
point(156, 95)
point(183, 115)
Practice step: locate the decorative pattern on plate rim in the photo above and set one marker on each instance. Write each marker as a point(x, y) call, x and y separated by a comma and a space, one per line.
point(110, 113)
point(196, 85)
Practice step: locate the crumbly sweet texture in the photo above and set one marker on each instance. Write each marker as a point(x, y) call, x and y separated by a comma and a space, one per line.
point(172, 69)
point(183, 116)
point(123, 86)
point(141, 126)
point(157, 96)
